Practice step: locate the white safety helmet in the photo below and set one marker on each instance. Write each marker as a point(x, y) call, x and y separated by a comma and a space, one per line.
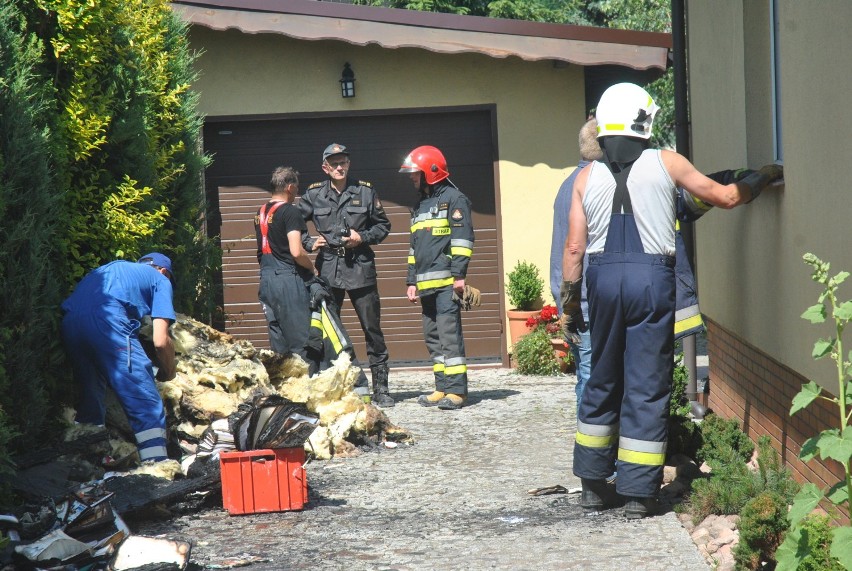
point(626, 109)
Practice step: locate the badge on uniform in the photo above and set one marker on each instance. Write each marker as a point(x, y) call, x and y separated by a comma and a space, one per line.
point(457, 214)
point(356, 202)
point(444, 205)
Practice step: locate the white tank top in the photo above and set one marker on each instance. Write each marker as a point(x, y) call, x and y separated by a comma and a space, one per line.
point(653, 194)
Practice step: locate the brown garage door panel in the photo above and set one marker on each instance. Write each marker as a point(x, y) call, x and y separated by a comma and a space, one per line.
point(247, 151)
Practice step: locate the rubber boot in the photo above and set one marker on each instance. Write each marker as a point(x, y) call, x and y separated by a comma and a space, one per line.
point(596, 495)
point(381, 393)
point(638, 508)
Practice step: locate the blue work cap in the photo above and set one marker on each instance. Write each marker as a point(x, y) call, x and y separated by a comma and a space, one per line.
point(159, 260)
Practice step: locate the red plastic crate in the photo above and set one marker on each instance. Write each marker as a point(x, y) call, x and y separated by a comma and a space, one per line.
point(259, 481)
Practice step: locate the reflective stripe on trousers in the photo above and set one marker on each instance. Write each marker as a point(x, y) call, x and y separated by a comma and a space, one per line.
point(442, 330)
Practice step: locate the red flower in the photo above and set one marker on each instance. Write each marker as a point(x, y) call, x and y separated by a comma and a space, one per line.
point(547, 317)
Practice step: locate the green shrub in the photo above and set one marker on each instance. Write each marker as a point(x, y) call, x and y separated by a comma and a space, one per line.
point(763, 522)
point(684, 436)
point(723, 492)
point(815, 534)
point(723, 442)
point(533, 354)
point(732, 484)
point(679, 404)
point(771, 474)
point(32, 214)
point(524, 286)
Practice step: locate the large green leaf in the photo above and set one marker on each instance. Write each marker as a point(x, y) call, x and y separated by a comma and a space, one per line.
point(836, 446)
point(809, 449)
point(809, 393)
point(822, 348)
point(838, 493)
point(792, 551)
point(844, 311)
point(815, 313)
point(841, 545)
point(804, 503)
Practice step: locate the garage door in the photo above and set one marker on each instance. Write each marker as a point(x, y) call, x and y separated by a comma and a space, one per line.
point(246, 151)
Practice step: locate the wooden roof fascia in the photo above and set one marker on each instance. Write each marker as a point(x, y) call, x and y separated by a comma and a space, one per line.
point(443, 33)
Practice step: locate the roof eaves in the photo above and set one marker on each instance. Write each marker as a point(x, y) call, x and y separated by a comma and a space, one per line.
point(445, 33)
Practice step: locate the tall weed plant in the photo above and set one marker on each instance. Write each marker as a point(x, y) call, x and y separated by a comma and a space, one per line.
point(833, 443)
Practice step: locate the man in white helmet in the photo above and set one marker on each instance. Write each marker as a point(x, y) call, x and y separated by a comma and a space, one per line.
point(627, 225)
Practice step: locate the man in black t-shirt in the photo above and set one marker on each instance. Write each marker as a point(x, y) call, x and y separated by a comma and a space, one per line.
point(284, 265)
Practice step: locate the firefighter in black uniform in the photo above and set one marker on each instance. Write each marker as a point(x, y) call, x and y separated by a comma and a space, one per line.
point(284, 266)
point(441, 245)
point(349, 218)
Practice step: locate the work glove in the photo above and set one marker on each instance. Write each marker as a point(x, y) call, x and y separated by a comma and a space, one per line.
point(319, 290)
point(756, 181)
point(572, 315)
point(772, 172)
point(470, 297)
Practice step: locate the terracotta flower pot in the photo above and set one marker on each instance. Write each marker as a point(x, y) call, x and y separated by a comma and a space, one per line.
point(518, 323)
point(562, 353)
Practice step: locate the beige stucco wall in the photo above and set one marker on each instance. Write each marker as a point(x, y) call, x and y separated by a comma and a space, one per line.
point(751, 276)
point(539, 107)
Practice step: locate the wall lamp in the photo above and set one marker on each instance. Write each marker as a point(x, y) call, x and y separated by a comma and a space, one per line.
point(347, 82)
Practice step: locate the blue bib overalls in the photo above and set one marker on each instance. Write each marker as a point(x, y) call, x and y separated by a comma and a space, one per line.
point(624, 412)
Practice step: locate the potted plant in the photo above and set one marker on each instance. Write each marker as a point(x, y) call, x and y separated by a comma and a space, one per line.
point(524, 288)
point(533, 354)
point(547, 320)
point(542, 351)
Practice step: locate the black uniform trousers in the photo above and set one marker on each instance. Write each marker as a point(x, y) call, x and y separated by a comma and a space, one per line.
point(286, 304)
point(368, 308)
point(442, 330)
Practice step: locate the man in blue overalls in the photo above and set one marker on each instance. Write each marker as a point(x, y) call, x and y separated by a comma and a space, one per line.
point(100, 331)
point(627, 223)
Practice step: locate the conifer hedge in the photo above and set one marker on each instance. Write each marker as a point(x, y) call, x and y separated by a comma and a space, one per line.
point(100, 159)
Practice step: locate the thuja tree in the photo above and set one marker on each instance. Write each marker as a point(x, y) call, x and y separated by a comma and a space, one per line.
point(99, 160)
point(31, 213)
point(127, 139)
point(835, 443)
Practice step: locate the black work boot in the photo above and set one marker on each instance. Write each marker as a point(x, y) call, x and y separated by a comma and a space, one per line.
point(596, 495)
point(637, 508)
point(381, 393)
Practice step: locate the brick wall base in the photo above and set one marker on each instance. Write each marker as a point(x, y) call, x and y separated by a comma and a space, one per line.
point(757, 390)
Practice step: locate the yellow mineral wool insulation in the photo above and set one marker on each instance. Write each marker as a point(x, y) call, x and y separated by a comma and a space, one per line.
point(167, 469)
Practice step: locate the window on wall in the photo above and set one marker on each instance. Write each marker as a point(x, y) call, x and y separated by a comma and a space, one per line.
point(775, 54)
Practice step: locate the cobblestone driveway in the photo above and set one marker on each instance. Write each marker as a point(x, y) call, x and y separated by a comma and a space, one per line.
point(455, 499)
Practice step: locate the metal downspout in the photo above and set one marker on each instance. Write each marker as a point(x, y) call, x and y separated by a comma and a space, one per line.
point(682, 142)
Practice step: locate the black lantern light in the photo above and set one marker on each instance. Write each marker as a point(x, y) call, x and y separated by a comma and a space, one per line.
point(347, 81)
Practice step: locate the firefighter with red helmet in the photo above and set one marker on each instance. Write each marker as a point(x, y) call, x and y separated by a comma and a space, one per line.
point(441, 243)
